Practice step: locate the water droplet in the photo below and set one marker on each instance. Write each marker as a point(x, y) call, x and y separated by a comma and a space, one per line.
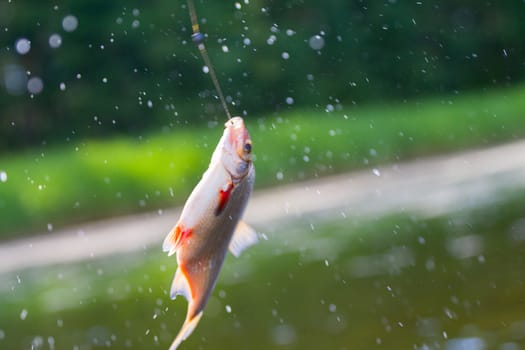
point(150, 104)
point(23, 314)
point(70, 23)
point(376, 172)
point(135, 24)
point(136, 12)
point(238, 5)
point(279, 175)
point(62, 86)
point(285, 55)
point(3, 176)
point(35, 85)
point(271, 40)
point(23, 46)
point(228, 308)
point(205, 69)
point(289, 100)
point(105, 80)
point(225, 48)
point(51, 342)
point(316, 42)
point(284, 335)
point(247, 41)
point(55, 40)
point(50, 227)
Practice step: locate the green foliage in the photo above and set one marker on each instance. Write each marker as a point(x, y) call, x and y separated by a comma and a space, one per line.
point(97, 178)
point(373, 51)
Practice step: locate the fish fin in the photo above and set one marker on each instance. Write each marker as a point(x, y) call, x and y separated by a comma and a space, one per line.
point(243, 237)
point(186, 330)
point(224, 196)
point(180, 286)
point(173, 239)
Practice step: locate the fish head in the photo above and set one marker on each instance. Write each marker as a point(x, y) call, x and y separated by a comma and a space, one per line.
point(236, 154)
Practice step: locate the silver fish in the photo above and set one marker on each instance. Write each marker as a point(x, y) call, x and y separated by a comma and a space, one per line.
point(210, 223)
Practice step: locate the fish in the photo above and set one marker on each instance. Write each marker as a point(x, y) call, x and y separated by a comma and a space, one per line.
point(210, 223)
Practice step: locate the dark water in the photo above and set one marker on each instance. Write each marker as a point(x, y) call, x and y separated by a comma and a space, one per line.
point(400, 282)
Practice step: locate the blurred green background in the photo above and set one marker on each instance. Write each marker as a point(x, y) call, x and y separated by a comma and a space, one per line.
point(105, 111)
point(128, 66)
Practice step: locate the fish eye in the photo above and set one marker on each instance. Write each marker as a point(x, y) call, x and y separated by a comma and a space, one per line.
point(248, 147)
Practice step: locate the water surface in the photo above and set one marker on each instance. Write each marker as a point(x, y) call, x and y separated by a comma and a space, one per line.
point(397, 282)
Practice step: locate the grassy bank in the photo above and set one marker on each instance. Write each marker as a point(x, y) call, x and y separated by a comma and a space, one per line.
point(51, 186)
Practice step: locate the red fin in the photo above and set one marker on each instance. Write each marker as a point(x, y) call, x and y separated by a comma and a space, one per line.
point(181, 285)
point(174, 238)
point(224, 196)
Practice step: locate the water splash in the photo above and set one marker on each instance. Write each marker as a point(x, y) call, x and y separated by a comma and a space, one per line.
point(70, 23)
point(316, 42)
point(23, 46)
point(55, 40)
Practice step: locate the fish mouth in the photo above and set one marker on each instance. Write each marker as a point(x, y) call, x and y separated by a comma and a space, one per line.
point(239, 146)
point(239, 138)
point(237, 129)
point(234, 122)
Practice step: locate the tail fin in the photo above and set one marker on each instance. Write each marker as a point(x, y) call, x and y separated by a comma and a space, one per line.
point(188, 327)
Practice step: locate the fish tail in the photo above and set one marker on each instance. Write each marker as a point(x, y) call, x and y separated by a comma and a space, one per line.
point(186, 330)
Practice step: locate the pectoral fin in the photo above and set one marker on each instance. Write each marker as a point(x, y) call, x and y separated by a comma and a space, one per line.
point(243, 237)
point(173, 239)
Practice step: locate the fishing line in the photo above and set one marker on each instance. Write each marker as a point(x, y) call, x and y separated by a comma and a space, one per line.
point(198, 38)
